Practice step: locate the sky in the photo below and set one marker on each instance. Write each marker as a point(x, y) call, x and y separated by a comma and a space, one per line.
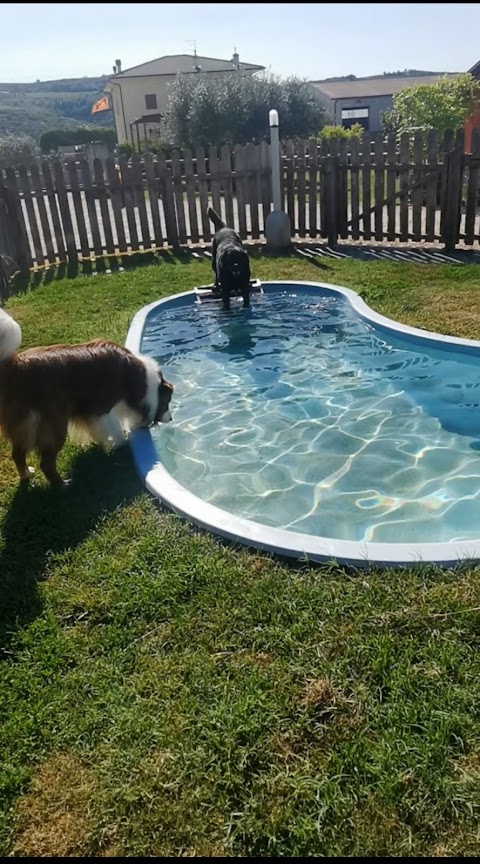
point(312, 40)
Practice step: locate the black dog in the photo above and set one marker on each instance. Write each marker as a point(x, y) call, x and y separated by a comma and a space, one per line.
point(230, 262)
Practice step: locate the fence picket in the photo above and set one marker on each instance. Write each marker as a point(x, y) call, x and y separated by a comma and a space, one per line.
point(312, 187)
point(379, 186)
point(23, 254)
point(265, 180)
point(31, 215)
point(153, 198)
point(101, 193)
point(168, 200)
point(342, 188)
point(300, 172)
point(78, 210)
point(241, 189)
point(178, 195)
point(54, 210)
point(91, 208)
point(191, 197)
point(323, 187)
point(290, 184)
point(391, 183)
point(432, 186)
point(139, 201)
point(472, 189)
point(226, 163)
point(37, 187)
point(252, 167)
point(215, 179)
point(117, 201)
point(354, 187)
point(366, 187)
point(417, 193)
point(404, 175)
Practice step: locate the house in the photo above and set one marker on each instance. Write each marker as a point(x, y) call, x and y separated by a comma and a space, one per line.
point(365, 100)
point(139, 96)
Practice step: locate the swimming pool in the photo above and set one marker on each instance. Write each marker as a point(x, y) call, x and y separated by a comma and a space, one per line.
point(311, 426)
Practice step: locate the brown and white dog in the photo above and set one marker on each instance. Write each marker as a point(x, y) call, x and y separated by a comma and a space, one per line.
point(97, 388)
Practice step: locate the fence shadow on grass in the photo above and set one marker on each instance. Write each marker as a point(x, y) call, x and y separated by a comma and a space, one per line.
point(317, 253)
point(28, 281)
point(41, 522)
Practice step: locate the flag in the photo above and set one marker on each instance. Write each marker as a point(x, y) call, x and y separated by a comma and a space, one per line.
point(101, 105)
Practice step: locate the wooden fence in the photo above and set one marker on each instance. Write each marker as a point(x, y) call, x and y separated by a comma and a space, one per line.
point(412, 189)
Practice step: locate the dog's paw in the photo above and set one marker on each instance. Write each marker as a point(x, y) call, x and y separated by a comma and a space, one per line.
point(61, 484)
point(27, 474)
point(58, 482)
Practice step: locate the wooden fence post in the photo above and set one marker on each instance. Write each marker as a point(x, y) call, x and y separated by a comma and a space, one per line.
point(453, 197)
point(7, 245)
point(331, 196)
point(473, 161)
point(18, 230)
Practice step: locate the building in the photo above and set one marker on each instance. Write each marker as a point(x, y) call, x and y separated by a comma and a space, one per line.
point(365, 100)
point(139, 96)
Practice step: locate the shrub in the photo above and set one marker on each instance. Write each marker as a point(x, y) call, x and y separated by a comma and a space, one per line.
point(17, 150)
point(355, 131)
point(56, 138)
point(125, 148)
point(441, 106)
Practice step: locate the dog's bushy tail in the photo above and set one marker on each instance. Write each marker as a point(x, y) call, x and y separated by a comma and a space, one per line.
point(215, 218)
point(10, 336)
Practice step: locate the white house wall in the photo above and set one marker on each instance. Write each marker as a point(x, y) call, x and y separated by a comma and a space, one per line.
point(131, 92)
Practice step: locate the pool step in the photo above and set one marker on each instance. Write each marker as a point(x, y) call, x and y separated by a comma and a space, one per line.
point(211, 292)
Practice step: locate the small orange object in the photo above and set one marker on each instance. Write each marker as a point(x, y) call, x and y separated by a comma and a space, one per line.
point(101, 105)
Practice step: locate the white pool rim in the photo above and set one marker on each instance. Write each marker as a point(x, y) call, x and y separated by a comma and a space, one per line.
point(279, 541)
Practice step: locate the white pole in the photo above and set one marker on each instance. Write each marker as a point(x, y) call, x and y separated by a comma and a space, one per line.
point(275, 158)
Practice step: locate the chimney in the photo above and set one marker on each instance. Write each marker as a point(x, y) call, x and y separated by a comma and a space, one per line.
point(236, 59)
point(118, 64)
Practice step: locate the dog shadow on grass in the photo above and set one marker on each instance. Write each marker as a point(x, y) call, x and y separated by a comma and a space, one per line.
point(41, 522)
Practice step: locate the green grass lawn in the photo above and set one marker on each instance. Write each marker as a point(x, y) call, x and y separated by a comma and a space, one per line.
point(164, 695)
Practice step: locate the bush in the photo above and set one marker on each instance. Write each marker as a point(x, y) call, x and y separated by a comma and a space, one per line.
point(204, 110)
point(151, 146)
point(156, 144)
point(125, 148)
point(17, 150)
point(56, 138)
point(355, 131)
point(441, 106)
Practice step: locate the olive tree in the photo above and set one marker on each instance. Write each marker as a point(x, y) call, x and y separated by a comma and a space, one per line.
point(233, 109)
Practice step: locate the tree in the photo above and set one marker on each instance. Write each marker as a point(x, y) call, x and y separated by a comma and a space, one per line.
point(16, 150)
point(233, 109)
point(441, 106)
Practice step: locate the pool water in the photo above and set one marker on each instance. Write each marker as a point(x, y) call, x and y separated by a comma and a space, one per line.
point(300, 414)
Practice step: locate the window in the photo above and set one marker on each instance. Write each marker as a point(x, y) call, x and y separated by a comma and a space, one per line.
point(351, 116)
point(150, 101)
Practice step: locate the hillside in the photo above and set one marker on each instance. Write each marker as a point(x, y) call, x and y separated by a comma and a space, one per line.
point(406, 73)
point(34, 108)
